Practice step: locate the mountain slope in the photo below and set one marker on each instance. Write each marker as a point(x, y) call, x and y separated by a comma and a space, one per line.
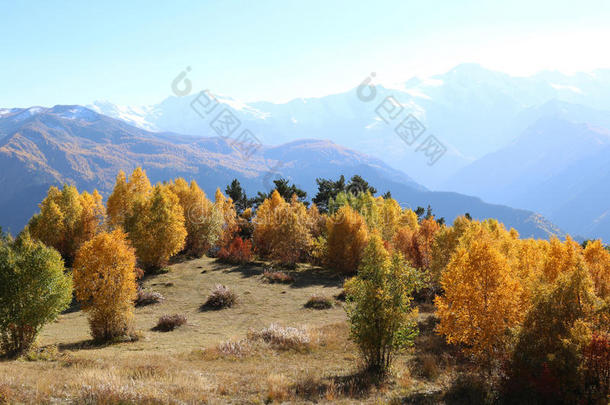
point(40, 147)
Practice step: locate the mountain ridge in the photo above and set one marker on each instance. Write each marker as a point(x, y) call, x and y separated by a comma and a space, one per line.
point(79, 146)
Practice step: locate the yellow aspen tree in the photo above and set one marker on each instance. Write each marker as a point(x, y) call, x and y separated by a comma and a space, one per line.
point(389, 218)
point(226, 207)
point(290, 238)
point(316, 221)
point(445, 243)
point(265, 223)
point(126, 197)
point(561, 257)
point(347, 236)
point(67, 219)
point(481, 300)
point(93, 214)
point(203, 221)
point(158, 232)
point(105, 284)
point(408, 219)
point(118, 201)
point(597, 259)
point(527, 263)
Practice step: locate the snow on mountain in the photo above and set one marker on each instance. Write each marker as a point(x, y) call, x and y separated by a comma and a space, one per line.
point(471, 110)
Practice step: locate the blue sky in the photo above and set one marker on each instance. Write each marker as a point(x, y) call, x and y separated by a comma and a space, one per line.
point(128, 52)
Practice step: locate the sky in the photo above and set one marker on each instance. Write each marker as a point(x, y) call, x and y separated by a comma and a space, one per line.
point(129, 52)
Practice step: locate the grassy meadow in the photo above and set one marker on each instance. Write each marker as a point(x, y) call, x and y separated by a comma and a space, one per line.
point(214, 359)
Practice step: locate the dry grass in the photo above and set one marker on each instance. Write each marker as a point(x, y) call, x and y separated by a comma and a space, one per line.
point(283, 338)
point(209, 360)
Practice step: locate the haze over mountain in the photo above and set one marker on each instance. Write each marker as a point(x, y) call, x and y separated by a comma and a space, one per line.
point(471, 110)
point(557, 167)
point(40, 147)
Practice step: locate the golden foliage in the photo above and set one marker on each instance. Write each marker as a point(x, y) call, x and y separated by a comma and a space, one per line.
point(283, 230)
point(561, 257)
point(158, 228)
point(481, 301)
point(347, 236)
point(598, 262)
point(105, 283)
point(67, 219)
point(265, 222)
point(445, 243)
point(126, 196)
point(203, 220)
point(227, 209)
point(316, 221)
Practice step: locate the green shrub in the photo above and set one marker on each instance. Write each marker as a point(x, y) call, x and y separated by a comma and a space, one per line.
point(379, 307)
point(33, 291)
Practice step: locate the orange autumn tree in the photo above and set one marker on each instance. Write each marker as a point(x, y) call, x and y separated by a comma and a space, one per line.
point(416, 245)
point(158, 230)
point(481, 300)
point(347, 235)
point(105, 284)
point(67, 219)
point(316, 221)
point(203, 220)
point(597, 259)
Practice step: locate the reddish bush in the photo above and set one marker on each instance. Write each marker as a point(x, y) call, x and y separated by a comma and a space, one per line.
point(168, 323)
point(597, 368)
point(278, 277)
point(239, 251)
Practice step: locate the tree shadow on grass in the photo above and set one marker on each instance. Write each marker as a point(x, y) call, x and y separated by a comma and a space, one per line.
point(316, 276)
point(357, 385)
point(88, 344)
point(252, 269)
point(92, 344)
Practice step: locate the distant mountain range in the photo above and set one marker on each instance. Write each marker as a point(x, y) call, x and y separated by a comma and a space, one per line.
point(537, 143)
point(472, 110)
point(40, 147)
point(557, 167)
